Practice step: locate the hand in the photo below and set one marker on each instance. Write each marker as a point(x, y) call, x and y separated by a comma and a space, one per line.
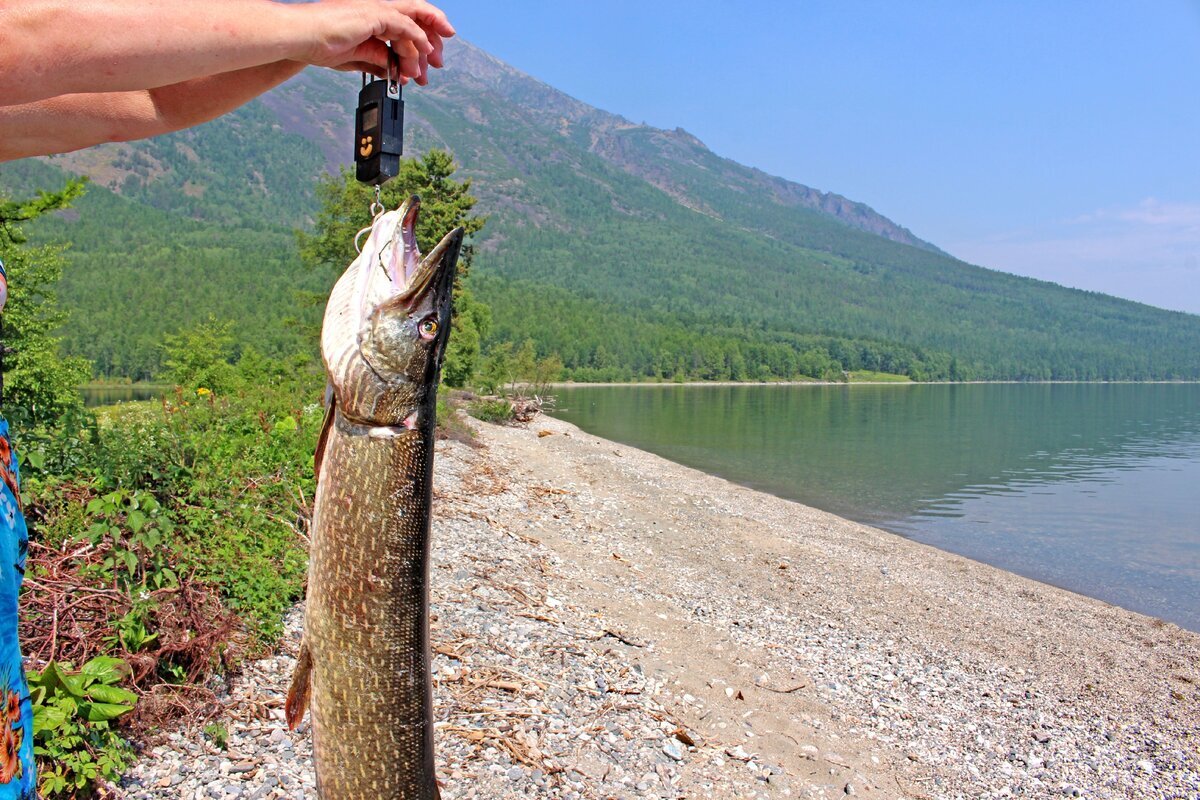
point(353, 35)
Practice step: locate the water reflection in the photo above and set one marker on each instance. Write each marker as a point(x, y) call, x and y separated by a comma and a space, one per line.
point(1090, 487)
point(94, 396)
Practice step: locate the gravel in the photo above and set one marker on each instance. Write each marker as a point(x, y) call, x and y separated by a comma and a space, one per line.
point(612, 625)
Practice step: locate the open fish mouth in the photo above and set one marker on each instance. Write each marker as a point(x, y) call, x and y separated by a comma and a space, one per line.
point(409, 276)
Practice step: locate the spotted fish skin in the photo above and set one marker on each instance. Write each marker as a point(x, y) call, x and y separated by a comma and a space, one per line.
point(364, 666)
point(368, 626)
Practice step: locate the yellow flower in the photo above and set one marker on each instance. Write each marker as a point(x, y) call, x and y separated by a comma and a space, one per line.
point(202, 391)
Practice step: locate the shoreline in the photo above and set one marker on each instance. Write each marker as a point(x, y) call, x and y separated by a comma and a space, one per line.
point(580, 385)
point(612, 624)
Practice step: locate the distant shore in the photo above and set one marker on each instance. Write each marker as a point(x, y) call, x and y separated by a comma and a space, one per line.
point(582, 384)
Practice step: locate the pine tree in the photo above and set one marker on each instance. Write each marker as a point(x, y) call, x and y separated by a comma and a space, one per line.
point(40, 384)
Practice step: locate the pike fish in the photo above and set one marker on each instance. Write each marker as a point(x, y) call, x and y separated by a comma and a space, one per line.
point(364, 662)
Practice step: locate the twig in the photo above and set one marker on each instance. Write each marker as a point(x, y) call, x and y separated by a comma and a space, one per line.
point(780, 691)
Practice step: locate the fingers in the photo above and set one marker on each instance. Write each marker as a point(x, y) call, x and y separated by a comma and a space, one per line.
point(428, 16)
point(435, 58)
point(408, 39)
point(373, 52)
point(376, 53)
point(362, 66)
point(414, 30)
point(422, 77)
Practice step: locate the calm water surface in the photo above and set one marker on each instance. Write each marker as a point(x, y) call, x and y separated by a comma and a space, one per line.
point(94, 396)
point(1094, 488)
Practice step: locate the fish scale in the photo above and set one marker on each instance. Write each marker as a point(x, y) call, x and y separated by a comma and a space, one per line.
point(364, 665)
point(369, 597)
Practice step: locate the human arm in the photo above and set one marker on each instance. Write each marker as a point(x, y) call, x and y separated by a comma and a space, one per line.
point(73, 121)
point(57, 47)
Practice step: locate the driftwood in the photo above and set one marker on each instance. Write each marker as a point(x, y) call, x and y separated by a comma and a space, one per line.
point(527, 408)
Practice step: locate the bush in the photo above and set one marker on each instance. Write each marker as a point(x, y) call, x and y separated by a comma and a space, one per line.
point(76, 747)
point(498, 410)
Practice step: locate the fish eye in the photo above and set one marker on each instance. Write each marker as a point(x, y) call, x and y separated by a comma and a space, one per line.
point(428, 328)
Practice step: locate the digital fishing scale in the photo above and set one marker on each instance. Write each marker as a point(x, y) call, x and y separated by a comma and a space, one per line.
point(379, 127)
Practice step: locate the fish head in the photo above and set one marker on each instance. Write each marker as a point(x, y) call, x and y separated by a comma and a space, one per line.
point(386, 329)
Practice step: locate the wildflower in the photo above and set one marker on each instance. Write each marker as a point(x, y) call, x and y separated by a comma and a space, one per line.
point(203, 392)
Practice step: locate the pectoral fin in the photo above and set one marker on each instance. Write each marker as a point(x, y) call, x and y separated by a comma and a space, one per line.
point(323, 438)
point(301, 689)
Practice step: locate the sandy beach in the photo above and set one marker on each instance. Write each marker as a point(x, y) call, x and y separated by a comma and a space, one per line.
point(613, 625)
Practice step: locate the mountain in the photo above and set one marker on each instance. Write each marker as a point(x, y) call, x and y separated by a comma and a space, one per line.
point(629, 250)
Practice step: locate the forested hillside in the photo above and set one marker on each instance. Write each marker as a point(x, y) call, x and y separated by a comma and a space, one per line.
point(627, 250)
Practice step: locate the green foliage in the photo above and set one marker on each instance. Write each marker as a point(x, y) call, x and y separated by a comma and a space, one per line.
point(232, 472)
point(472, 321)
point(866, 376)
point(132, 529)
point(201, 485)
point(450, 423)
point(218, 734)
point(498, 410)
point(14, 212)
point(75, 744)
point(518, 372)
point(498, 370)
point(344, 210)
point(39, 382)
point(136, 274)
point(246, 167)
point(200, 357)
point(134, 630)
point(445, 204)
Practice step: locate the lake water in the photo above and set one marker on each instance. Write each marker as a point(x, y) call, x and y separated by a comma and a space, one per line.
point(94, 396)
point(1093, 488)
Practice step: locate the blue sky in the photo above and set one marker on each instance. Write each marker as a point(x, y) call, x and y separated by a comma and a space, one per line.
point(1059, 140)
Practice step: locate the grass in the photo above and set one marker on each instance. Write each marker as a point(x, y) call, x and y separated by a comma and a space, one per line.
point(867, 376)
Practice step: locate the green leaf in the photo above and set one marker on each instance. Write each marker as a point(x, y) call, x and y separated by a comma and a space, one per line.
point(56, 681)
point(107, 669)
point(136, 520)
point(102, 712)
point(111, 694)
point(48, 718)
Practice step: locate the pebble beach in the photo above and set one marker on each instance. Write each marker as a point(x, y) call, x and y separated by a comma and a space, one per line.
point(609, 624)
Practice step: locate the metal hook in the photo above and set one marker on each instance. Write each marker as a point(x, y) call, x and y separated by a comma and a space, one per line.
point(358, 238)
point(393, 74)
point(376, 209)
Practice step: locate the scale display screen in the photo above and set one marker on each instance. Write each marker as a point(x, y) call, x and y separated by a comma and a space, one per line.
point(370, 117)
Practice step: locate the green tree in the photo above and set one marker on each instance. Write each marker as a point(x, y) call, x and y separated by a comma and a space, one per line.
point(40, 384)
point(497, 370)
point(445, 205)
point(525, 361)
point(202, 357)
